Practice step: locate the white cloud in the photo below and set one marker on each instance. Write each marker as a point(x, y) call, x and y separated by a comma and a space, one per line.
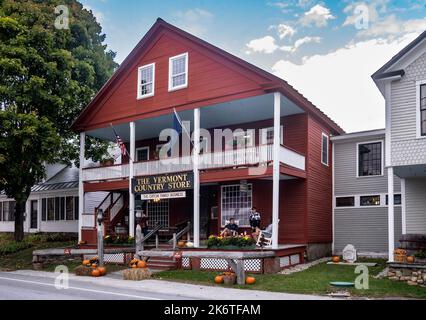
point(317, 15)
point(100, 17)
point(194, 21)
point(339, 82)
point(262, 45)
point(300, 42)
point(392, 26)
point(284, 31)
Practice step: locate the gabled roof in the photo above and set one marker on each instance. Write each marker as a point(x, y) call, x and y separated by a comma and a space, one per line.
point(382, 72)
point(275, 84)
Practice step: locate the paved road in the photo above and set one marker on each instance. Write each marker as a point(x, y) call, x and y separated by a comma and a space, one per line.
point(38, 285)
point(23, 287)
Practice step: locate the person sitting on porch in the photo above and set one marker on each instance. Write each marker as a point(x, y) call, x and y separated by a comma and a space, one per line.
point(267, 233)
point(231, 229)
point(254, 219)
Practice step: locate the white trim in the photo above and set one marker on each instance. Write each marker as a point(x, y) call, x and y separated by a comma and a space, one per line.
point(139, 94)
point(382, 160)
point(357, 135)
point(276, 172)
point(132, 128)
point(418, 113)
point(391, 215)
point(407, 59)
point(183, 86)
point(196, 162)
point(80, 186)
point(328, 148)
point(388, 119)
point(333, 177)
point(357, 202)
point(403, 208)
point(141, 148)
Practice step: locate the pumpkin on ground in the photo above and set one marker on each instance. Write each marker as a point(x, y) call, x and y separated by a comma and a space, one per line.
point(410, 259)
point(134, 266)
point(94, 265)
point(250, 280)
point(102, 271)
point(218, 279)
point(96, 273)
point(141, 264)
point(336, 259)
point(86, 262)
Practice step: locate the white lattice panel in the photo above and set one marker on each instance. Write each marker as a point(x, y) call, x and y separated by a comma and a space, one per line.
point(186, 264)
point(295, 259)
point(284, 262)
point(253, 265)
point(109, 257)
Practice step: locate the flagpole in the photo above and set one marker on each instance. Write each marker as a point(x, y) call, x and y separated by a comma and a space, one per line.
point(116, 135)
point(182, 126)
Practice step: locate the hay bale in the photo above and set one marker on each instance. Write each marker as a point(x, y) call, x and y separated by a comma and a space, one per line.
point(136, 274)
point(83, 271)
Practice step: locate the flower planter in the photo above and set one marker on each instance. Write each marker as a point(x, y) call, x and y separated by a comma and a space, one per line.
point(238, 248)
point(107, 163)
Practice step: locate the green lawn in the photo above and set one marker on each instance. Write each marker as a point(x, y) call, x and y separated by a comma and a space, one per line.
point(312, 281)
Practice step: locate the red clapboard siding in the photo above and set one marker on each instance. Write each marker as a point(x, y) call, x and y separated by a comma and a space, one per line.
point(319, 185)
point(209, 77)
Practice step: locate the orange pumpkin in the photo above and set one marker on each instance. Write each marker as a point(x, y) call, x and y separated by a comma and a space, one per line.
point(96, 273)
point(86, 262)
point(336, 259)
point(141, 264)
point(94, 265)
point(410, 259)
point(250, 280)
point(134, 261)
point(218, 279)
point(134, 266)
point(102, 271)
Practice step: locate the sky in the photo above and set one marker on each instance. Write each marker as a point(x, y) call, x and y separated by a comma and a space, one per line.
point(327, 50)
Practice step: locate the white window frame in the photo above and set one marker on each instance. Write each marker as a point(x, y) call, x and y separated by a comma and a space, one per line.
point(328, 148)
point(382, 160)
point(185, 85)
point(246, 134)
point(140, 95)
point(264, 134)
point(418, 113)
point(221, 203)
point(142, 148)
point(358, 200)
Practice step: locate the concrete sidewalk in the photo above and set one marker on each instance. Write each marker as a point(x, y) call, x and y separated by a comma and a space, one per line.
point(178, 289)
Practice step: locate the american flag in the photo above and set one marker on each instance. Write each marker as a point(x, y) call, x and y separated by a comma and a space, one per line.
point(120, 142)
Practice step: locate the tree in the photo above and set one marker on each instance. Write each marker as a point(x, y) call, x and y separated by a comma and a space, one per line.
point(47, 75)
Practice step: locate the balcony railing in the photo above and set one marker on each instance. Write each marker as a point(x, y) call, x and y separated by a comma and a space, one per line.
point(229, 158)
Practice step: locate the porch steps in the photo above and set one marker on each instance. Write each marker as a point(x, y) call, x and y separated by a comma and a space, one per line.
point(161, 263)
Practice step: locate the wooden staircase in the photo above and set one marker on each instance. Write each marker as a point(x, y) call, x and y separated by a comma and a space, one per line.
point(162, 263)
point(115, 206)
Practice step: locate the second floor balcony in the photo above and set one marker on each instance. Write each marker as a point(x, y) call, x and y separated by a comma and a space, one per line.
point(251, 157)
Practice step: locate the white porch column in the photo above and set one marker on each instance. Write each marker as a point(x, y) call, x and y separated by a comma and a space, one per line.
point(196, 177)
point(80, 184)
point(131, 172)
point(391, 218)
point(403, 208)
point(276, 170)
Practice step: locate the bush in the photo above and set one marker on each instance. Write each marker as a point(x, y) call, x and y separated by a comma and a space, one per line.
point(13, 247)
point(239, 241)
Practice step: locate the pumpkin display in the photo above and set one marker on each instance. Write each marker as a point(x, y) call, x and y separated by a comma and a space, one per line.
point(102, 271)
point(96, 273)
point(181, 244)
point(134, 266)
point(336, 259)
point(218, 279)
point(250, 280)
point(86, 262)
point(141, 264)
point(410, 259)
point(94, 265)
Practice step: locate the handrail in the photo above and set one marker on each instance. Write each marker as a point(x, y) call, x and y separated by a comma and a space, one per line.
point(177, 236)
point(154, 230)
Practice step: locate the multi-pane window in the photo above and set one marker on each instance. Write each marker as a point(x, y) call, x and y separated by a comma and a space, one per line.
point(236, 203)
point(7, 211)
point(345, 201)
point(370, 159)
point(59, 208)
point(178, 72)
point(365, 201)
point(142, 154)
point(267, 135)
point(158, 212)
point(146, 80)
point(423, 109)
point(396, 199)
point(324, 149)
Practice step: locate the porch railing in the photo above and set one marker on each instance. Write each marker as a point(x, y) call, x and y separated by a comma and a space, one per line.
point(216, 160)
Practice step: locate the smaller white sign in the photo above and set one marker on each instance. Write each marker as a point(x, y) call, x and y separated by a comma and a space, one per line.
point(165, 195)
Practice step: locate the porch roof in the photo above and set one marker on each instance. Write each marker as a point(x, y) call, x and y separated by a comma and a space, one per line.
point(235, 112)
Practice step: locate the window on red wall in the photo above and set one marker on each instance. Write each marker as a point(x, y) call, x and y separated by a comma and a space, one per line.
point(325, 149)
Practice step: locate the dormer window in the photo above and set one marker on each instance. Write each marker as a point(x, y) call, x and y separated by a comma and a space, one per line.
point(146, 81)
point(178, 72)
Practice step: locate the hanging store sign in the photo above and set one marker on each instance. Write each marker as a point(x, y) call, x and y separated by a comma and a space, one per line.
point(163, 183)
point(165, 195)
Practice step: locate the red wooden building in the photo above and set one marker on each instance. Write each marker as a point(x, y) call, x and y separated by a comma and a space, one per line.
point(287, 176)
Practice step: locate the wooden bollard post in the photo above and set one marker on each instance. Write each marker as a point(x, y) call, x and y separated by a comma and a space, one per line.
point(100, 228)
point(139, 238)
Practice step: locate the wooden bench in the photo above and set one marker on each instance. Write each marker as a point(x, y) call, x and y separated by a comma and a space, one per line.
point(234, 259)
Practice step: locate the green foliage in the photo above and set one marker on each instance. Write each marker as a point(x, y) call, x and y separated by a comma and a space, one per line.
point(47, 76)
point(239, 241)
point(421, 254)
point(119, 240)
